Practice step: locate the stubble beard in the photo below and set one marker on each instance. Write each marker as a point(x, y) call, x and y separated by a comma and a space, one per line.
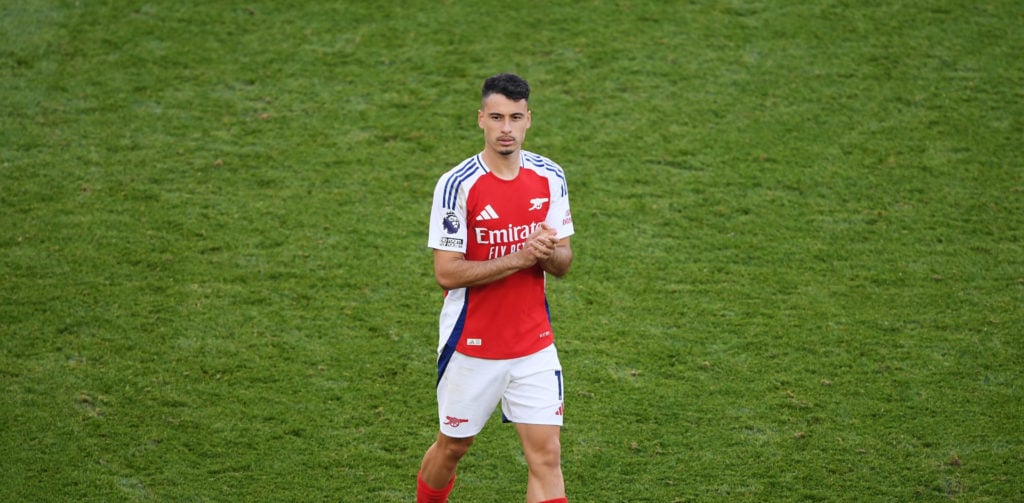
point(508, 151)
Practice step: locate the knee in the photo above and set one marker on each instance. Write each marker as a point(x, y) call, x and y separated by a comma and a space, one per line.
point(454, 448)
point(546, 455)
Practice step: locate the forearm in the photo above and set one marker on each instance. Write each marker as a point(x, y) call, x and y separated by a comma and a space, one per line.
point(559, 261)
point(453, 271)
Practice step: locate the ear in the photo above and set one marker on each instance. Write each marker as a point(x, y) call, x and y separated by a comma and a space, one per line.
point(480, 118)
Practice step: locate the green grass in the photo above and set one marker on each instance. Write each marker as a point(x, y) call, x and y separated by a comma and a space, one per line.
point(799, 263)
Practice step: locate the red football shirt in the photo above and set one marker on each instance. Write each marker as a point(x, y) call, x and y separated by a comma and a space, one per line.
point(485, 217)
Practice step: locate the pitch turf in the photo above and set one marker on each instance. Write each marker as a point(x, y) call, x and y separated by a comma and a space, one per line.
point(799, 263)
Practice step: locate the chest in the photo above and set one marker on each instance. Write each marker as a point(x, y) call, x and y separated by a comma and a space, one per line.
point(506, 211)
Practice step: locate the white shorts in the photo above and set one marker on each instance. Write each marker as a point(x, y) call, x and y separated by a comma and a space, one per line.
point(529, 389)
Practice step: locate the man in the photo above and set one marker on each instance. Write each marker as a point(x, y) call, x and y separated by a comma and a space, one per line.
point(500, 222)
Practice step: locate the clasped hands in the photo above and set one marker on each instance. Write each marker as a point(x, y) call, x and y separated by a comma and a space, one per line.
point(542, 242)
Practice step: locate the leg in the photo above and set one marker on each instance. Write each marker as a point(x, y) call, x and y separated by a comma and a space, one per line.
point(442, 458)
point(466, 396)
point(543, 451)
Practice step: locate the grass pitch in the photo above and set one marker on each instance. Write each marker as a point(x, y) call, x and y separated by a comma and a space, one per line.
point(798, 272)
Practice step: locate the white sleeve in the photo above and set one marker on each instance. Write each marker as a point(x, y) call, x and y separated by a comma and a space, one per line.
point(559, 217)
point(447, 225)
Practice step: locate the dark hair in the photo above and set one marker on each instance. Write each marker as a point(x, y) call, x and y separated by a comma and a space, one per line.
point(508, 85)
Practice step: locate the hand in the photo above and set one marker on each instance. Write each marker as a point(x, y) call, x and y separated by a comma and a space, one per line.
point(541, 244)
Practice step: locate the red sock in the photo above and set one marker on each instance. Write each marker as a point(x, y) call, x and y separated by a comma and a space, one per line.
point(557, 500)
point(427, 494)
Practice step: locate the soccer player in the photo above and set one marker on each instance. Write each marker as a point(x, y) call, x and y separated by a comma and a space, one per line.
point(500, 223)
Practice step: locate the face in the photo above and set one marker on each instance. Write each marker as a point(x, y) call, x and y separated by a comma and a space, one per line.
point(504, 123)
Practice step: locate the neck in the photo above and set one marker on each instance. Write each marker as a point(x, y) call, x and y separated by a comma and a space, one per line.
point(503, 166)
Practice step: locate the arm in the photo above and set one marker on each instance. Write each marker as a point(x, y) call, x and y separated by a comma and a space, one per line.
point(557, 264)
point(452, 270)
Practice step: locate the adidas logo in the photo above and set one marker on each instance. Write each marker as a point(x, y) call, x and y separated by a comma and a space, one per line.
point(487, 214)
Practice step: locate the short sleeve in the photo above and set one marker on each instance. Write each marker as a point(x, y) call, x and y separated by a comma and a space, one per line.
point(447, 221)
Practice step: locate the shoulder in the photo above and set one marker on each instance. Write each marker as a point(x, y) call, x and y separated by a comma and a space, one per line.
point(545, 167)
point(465, 169)
point(458, 178)
point(540, 163)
